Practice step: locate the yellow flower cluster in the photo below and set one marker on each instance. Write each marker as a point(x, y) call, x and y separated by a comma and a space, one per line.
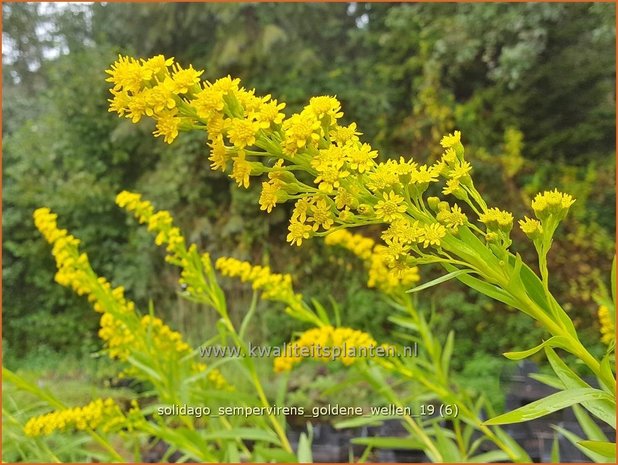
point(273, 286)
point(333, 177)
point(69, 262)
point(74, 268)
point(531, 228)
point(160, 222)
point(152, 336)
point(122, 330)
point(103, 414)
point(152, 88)
point(358, 244)
point(376, 258)
point(550, 207)
point(552, 203)
point(608, 329)
point(326, 344)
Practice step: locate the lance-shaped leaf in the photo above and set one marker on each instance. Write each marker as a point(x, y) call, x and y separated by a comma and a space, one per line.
point(555, 341)
point(548, 405)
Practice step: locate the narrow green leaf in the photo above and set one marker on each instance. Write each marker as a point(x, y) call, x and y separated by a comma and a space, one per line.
point(576, 440)
point(388, 442)
point(145, 368)
point(304, 449)
point(473, 246)
point(439, 280)
point(404, 321)
point(447, 352)
point(589, 427)
point(522, 455)
point(605, 409)
point(274, 455)
point(549, 404)
point(555, 450)
point(232, 454)
point(515, 280)
point(607, 378)
point(321, 311)
point(446, 446)
point(604, 448)
point(21, 383)
point(363, 421)
point(244, 325)
point(554, 341)
point(252, 434)
point(490, 457)
point(485, 288)
point(548, 380)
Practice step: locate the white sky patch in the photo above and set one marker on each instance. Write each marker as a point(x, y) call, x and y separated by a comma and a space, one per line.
point(46, 31)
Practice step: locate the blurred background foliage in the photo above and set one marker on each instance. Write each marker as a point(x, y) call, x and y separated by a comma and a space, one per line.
point(531, 86)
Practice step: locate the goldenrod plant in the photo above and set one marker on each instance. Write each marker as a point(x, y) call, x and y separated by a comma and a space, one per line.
point(150, 351)
point(426, 213)
point(430, 213)
point(328, 341)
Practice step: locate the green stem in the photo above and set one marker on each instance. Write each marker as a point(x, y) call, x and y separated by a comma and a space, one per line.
point(107, 446)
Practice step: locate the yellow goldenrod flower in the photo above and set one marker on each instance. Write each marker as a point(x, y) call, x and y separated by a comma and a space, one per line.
point(361, 158)
point(269, 113)
point(158, 99)
point(157, 65)
point(273, 286)
point(391, 207)
point(298, 231)
point(300, 131)
point(120, 103)
point(241, 170)
point(341, 135)
point(137, 107)
point(219, 155)
point(460, 171)
point(402, 231)
point(182, 79)
point(531, 228)
point(375, 257)
point(496, 219)
point(329, 178)
point(208, 101)
point(359, 245)
point(167, 125)
point(608, 330)
point(451, 140)
point(321, 215)
point(345, 198)
point(326, 344)
point(160, 222)
point(452, 187)
point(423, 175)
point(552, 203)
point(128, 74)
point(242, 132)
point(449, 157)
point(269, 195)
point(325, 106)
point(430, 234)
point(101, 413)
point(453, 218)
point(122, 330)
